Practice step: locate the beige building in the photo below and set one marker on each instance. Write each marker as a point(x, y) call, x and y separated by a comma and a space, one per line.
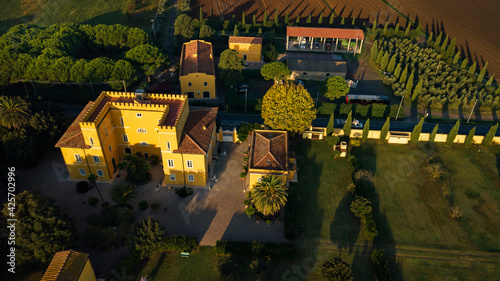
point(317, 67)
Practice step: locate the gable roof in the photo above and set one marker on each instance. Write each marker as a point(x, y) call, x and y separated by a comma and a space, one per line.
point(315, 62)
point(197, 132)
point(73, 137)
point(66, 266)
point(245, 40)
point(197, 57)
point(269, 150)
point(322, 32)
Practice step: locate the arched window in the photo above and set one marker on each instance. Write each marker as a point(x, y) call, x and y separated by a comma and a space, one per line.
point(143, 143)
point(141, 130)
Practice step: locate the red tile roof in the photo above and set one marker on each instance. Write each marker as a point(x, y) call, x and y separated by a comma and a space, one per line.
point(269, 150)
point(66, 266)
point(319, 32)
point(73, 136)
point(197, 132)
point(197, 57)
point(245, 40)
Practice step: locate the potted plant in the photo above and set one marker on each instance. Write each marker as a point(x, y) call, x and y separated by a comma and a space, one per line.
point(243, 175)
point(268, 222)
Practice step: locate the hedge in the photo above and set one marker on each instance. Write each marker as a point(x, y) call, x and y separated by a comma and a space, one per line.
point(180, 243)
point(369, 227)
point(360, 110)
point(259, 249)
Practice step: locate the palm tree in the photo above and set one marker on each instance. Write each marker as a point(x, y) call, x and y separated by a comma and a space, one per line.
point(269, 195)
point(14, 112)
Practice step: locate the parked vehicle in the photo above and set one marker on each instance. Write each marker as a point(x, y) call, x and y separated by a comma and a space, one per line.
point(366, 99)
point(299, 82)
point(356, 124)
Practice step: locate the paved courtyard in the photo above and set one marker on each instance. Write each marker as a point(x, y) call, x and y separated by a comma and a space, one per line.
point(209, 214)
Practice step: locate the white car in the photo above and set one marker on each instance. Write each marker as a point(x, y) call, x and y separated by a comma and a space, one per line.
point(355, 124)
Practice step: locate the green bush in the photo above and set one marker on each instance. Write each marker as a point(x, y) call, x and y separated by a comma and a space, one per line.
point(82, 187)
point(245, 128)
point(143, 205)
point(362, 110)
point(259, 249)
point(369, 227)
point(250, 211)
point(92, 201)
point(380, 265)
point(394, 111)
point(378, 110)
point(336, 270)
point(327, 108)
point(180, 243)
point(183, 192)
point(345, 108)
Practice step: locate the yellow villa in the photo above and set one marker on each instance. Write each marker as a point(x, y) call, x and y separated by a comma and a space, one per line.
point(197, 72)
point(118, 123)
point(248, 48)
point(269, 155)
point(69, 265)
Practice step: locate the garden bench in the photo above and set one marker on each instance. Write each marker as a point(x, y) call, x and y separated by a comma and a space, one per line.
point(185, 254)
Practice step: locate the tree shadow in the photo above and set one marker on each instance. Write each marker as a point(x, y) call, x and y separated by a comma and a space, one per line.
point(344, 230)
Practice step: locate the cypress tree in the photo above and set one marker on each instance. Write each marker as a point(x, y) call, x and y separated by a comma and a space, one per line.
point(320, 19)
point(331, 18)
point(472, 68)
point(243, 21)
point(396, 29)
point(286, 18)
point(374, 51)
point(392, 64)
point(490, 81)
point(432, 136)
point(470, 137)
point(464, 64)
point(438, 40)
point(385, 61)
point(342, 22)
point(384, 31)
point(451, 48)
point(236, 31)
point(456, 58)
point(397, 71)
point(348, 124)
point(308, 21)
point(415, 135)
point(429, 40)
point(260, 31)
point(201, 16)
point(409, 84)
point(481, 74)
point(417, 90)
point(264, 22)
point(329, 128)
point(374, 27)
point(419, 29)
point(297, 20)
point(497, 91)
point(353, 23)
point(490, 135)
point(402, 78)
point(379, 56)
point(445, 44)
point(366, 130)
point(453, 133)
point(385, 129)
point(276, 17)
point(254, 21)
point(407, 31)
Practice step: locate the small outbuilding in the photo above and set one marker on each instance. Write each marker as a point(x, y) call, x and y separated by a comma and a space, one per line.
point(316, 67)
point(319, 39)
point(248, 48)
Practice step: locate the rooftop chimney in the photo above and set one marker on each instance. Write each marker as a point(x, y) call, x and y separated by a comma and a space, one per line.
point(204, 127)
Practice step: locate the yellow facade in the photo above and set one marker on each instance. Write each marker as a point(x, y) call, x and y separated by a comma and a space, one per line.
point(119, 123)
point(69, 265)
point(249, 50)
point(87, 273)
point(198, 85)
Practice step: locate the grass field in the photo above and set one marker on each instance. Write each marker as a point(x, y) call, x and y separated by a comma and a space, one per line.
point(49, 12)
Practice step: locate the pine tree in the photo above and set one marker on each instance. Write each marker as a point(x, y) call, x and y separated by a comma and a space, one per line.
point(379, 56)
point(276, 17)
point(407, 31)
point(297, 20)
point(432, 136)
point(384, 31)
point(470, 137)
point(201, 16)
point(490, 135)
point(348, 124)
point(243, 21)
point(332, 17)
point(396, 29)
point(392, 64)
point(264, 22)
point(409, 84)
point(429, 40)
point(286, 18)
point(397, 71)
point(453, 133)
point(342, 22)
point(385, 129)
point(254, 21)
point(236, 31)
point(472, 68)
point(374, 50)
point(464, 64)
point(490, 81)
point(417, 90)
point(374, 26)
point(451, 48)
point(482, 72)
point(385, 61)
point(308, 21)
point(438, 40)
point(366, 130)
point(329, 128)
point(415, 135)
point(320, 19)
point(402, 78)
point(456, 58)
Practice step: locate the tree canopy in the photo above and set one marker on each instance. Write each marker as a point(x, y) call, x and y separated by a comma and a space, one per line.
point(275, 71)
point(269, 195)
point(288, 107)
point(147, 237)
point(229, 60)
point(42, 227)
point(136, 167)
point(184, 27)
point(122, 193)
point(334, 87)
point(336, 270)
point(14, 112)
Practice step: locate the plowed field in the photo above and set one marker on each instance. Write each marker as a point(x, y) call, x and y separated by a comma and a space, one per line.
point(361, 9)
point(474, 24)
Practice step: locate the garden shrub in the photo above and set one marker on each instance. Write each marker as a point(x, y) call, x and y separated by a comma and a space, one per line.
point(82, 187)
point(345, 108)
point(92, 201)
point(394, 110)
point(180, 243)
point(380, 265)
point(245, 128)
point(258, 249)
point(362, 110)
point(378, 110)
point(183, 192)
point(154, 160)
point(353, 164)
point(250, 211)
point(143, 205)
point(369, 227)
point(336, 270)
point(327, 108)
point(155, 206)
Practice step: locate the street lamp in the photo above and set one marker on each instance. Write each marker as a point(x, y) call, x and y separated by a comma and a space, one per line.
point(317, 97)
point(92, 178)
point(154, 32)
point(246, 100)
point(399, 108)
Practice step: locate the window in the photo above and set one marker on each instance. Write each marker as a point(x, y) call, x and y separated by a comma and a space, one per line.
point(141, 130)
point(121, 121)
point(138, 115)
point(110, 149)
point(170, 163)
point(91, 141)
point(245, 57)
point(304, 73)
point(128, 150)
point(328, 74)
point(206, 94)
point(78, 158)
point(96, 159)
point(190, 94)
point(146, 155)
point(125, 138)
point(190, 84)
point(205, 84)
point(172, 177)
point(189, 163)
point(106, 132)
point(143, 143)
point(190, 177)
point(168, 146)
point(82, 172)
point(100, 173)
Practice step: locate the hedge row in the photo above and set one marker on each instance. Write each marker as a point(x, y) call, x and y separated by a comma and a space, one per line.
point(369, 227)
point(359, 110)
point(259, 249)
point(180, 243)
